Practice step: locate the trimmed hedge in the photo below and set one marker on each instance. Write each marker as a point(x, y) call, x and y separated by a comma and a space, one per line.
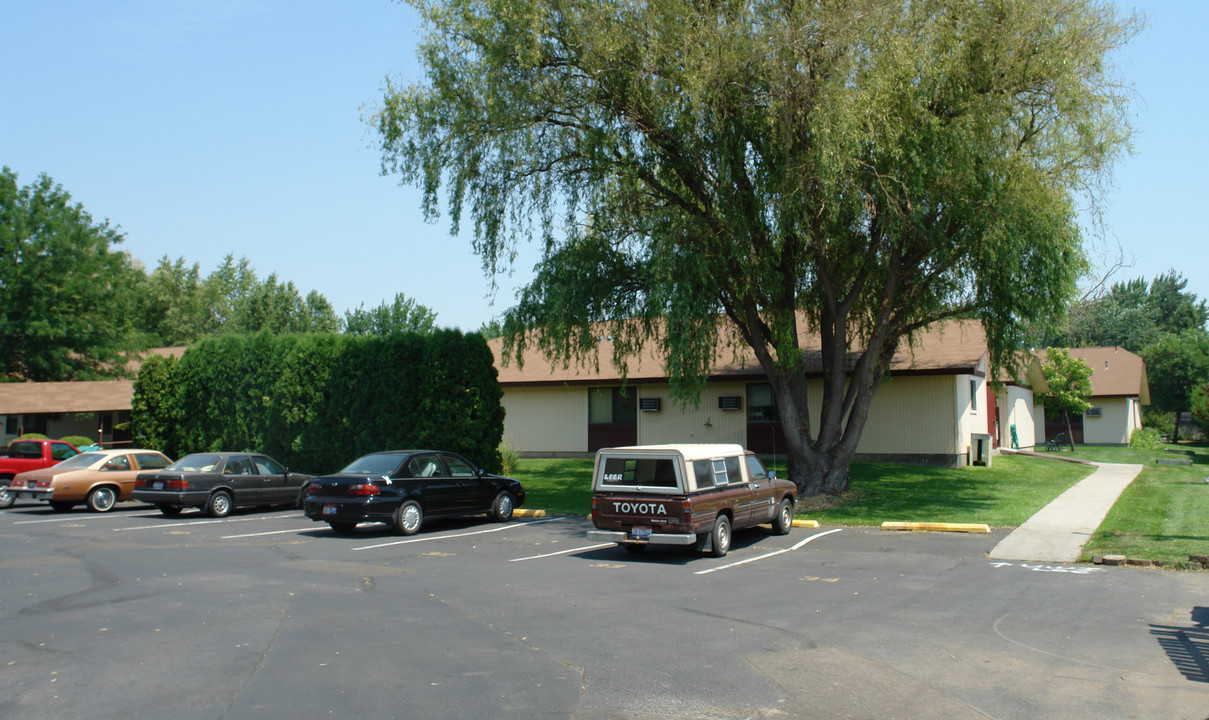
point(316, 402)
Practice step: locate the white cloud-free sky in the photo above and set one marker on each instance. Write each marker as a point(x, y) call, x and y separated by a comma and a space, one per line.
point(211, 127)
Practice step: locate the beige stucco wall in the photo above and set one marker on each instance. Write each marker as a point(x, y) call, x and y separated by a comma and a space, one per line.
point(1116, 422)
point(548, 420)
point(701, 424)
point(913, 415)
point(1015, 408)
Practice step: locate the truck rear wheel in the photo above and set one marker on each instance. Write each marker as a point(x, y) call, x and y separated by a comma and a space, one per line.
point(720, 537)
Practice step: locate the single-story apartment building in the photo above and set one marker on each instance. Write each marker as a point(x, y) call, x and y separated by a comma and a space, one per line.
point(936, 406)
point(1119, 389)
point(98, 409)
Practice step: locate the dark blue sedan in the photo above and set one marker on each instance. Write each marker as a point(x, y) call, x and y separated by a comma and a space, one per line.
point(403, 487)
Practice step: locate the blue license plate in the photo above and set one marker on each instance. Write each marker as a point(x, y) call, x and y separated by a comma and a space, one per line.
point(329, 509)
point(640, 533)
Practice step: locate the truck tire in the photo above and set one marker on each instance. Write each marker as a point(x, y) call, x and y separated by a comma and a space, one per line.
point(720, 537)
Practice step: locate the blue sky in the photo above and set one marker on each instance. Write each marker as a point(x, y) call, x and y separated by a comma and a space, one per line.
point(209, 127)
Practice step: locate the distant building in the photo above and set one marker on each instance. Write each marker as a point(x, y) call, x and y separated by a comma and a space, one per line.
point(1119, 390)
point(94, 409)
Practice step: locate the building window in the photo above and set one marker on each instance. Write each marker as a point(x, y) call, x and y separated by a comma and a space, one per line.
point(974, 395)
point(609, 406)
point(761, 403)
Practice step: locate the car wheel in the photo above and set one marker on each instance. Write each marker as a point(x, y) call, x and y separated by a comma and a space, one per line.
point(501, 508)
point(341, 527)
point(61, 505)
point(408, 518)
point(101, 499)
point(634, 547)
point(219, 505)
point(170, 510)
point(6, 498)
point(302, 498)
point(720, 537)
point(783, 522)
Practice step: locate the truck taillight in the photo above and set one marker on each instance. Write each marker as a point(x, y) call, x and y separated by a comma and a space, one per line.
point(176, 485)
point(593, 507)
point(364, 489)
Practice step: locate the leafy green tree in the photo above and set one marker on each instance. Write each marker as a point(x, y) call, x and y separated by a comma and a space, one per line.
point(276, 307)
point(403, 315)
point(1175, 365)
point(65, 301)
point(755, 170)
point(1200, 405)
point(1176, 309)
point(172, 306)
point(1069, 381)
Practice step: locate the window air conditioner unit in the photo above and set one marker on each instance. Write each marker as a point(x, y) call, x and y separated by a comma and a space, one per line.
point(1093, 412)
point(729, 402)
point(649, 404)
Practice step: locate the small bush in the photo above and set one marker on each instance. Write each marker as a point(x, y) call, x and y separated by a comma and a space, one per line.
point(77, 440)
point(1146, 438)
point(509, 459)
point(33, 436)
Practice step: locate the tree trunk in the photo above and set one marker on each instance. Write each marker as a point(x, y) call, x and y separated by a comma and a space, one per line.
point(1070, 435)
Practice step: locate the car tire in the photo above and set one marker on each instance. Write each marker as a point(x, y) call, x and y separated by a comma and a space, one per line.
point(408, 518)
point(720, 537)
point(219, 505)
point(61, 505)
point(302, 498)
point(6, 498)
point(101, 499)
point(342, 527)
point(501, 507)
point(783, 522)
point(170, 510)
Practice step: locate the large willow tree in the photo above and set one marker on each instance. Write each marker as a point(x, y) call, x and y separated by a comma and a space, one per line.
point(862, 167)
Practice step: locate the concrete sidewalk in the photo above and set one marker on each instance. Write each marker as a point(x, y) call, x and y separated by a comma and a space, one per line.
point(1058, 532)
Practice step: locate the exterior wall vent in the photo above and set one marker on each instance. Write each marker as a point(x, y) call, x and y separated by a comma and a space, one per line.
point(649, 404)
point(730, 402)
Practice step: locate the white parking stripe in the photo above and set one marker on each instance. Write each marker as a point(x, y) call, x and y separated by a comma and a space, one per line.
point(562, 552)
point(767, 555)
point(457, 535)
point(49, 520)
point(187, 523)
point(271, 532)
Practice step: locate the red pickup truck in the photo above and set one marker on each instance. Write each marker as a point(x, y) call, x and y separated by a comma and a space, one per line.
point(685, 495)
point(25, 455)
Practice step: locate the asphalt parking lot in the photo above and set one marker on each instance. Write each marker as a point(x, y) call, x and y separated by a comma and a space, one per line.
point(267, 614)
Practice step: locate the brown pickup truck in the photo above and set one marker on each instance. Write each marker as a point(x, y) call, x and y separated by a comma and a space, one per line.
point(23, 455)
point(685, 495)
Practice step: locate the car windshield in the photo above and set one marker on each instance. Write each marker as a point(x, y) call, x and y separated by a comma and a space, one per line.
point(82, 460)
point(374, 465)
point(196, 463)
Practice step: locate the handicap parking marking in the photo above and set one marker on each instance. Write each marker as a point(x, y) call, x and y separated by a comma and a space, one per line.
point(767, 555)
point(510, 526)
point(1036, 567)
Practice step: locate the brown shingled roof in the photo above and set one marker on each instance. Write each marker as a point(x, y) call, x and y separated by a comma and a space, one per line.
point(957, 346)
point(1115, 372)
point(31, 398)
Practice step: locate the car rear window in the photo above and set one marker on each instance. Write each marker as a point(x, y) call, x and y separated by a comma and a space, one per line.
point(631, 472)
point(374, 465)
point(196, 463)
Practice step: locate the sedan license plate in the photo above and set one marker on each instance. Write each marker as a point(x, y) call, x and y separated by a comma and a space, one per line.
point(157, 485)
point(329, 509)
point(640, 532)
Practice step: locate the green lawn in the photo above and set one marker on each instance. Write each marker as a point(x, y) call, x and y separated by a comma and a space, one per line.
point(1163, 515)
point(1003, 495)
